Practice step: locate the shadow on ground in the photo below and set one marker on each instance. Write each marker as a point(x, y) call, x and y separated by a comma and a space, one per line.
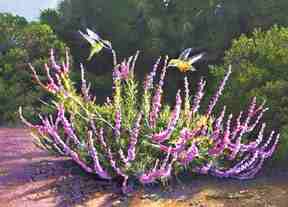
point(31, 177)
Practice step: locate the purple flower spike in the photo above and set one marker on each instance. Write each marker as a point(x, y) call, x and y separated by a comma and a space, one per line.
point(67, 125)
point(220, 145)
point(216, 96)
point(156, 101)
point(163, 172)
point(53, 62)
point(116, 74)
point(269, 153)
point(84, 88)
point(187, 110)
point(112, 160)
point(117, 127)
point(199, 95)
point(66, 64)
point(164, 135)
point(251, 112)
point(257, 142)
point(51, 86)
point(149, 177)
point(133, 139)
point(148, 83)
point(237, 126)
point(125, 69)
point(101, 139)
point(52, 131)
point(97, 166)
point(185, 157)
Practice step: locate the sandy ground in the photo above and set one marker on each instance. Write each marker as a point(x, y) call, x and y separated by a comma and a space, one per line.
point(31, 177)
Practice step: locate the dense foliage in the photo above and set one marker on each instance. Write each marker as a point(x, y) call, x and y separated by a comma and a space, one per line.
point(135, 136)
point(21, 43)
point(260, 69)
point(157, 26)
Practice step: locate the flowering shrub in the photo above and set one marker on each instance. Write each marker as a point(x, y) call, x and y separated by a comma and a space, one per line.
point(136, 137)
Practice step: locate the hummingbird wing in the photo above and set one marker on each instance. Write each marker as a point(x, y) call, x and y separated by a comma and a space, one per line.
point(192, 68)
point(107, 44)
point(93, 35)
point(195, 58)
point(185, 54)
point(88, 38)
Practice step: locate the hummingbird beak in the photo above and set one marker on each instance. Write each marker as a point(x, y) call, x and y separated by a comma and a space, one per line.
point(170, 64)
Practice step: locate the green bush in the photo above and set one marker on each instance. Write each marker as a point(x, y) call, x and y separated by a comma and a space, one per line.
point(138, 138)
point(260, 63)
point(24, 43)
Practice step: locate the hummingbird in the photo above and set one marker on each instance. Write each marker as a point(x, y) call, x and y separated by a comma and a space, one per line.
point(184, 62)
point(96, 42)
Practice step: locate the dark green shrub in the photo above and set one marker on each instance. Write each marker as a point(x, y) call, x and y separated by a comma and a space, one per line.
point(260, 68)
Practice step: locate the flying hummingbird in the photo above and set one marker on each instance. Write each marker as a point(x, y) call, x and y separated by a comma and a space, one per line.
point(96, 42)
point(184, 62)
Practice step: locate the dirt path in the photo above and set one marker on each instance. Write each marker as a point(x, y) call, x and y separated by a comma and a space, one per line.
point(30, 177)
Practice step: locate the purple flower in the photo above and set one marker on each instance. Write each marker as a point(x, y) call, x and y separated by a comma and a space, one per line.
point(97, 166)
point(67, 125)
point(163, 172)
point(156, 101)
point(164, 135)
point(216, 96)
point(124, 69)
point(84, 88)
point(53, 62)
point(66, 64)
point(148, 83)
point(117, 127)
point(185, 157)
point(187, 97)
point(134, 138)
point(199, 95)
point(52, 131)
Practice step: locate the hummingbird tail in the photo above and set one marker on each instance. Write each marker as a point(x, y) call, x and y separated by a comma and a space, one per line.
point(90, 57)
point(192, 69)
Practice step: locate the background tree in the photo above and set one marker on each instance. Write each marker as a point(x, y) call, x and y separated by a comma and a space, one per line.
point(154, 26)
point(9, 27)
point(31, 44)
point(50, 17)
point(161, 27)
